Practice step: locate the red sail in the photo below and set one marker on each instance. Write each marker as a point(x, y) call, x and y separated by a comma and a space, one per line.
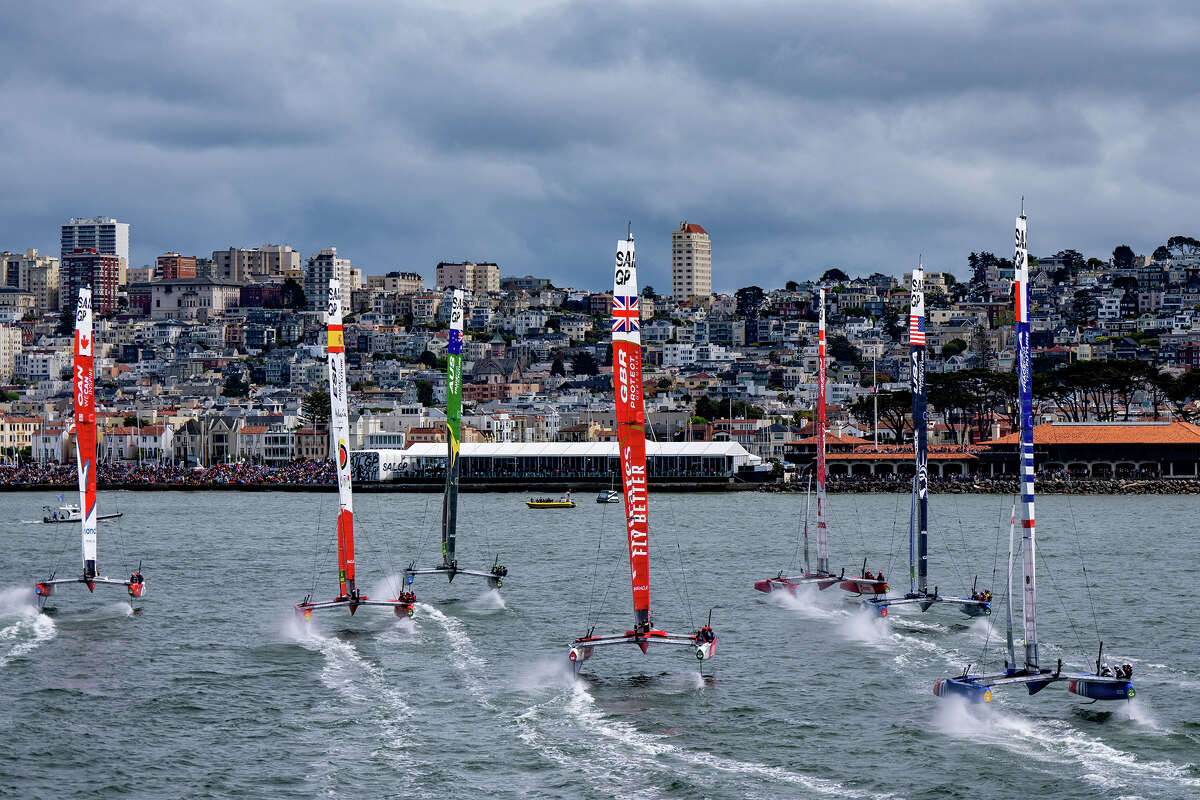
point(85, 427)
point(631, 431)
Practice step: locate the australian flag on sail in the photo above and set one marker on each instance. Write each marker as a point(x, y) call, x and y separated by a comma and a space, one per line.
point(916, 329)
point(625, 314)
point(454, 345)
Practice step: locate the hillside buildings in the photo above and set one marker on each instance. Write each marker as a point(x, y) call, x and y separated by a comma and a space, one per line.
point(322, 268)
point(476, 278)
point(103, 234)
point(691, 265)
point(35, 274)
point(269, 263)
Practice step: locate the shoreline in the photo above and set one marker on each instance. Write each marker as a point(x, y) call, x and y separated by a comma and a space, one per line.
point(582, 487)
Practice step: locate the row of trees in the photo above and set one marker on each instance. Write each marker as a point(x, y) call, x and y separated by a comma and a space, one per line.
point(970, 401)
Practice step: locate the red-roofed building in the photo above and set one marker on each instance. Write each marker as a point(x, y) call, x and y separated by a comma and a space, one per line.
point(1166, 449)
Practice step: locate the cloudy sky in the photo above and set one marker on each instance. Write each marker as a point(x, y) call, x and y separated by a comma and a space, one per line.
point(802, 135)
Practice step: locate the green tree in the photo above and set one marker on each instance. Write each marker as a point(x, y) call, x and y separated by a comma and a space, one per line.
point(834, 275)
point(1123, 257)
point(791, 286)
point(315, 409)
point(293, 295)
point(894, 410)
point(425, 393)
point(66, 322)
point(557, 367)
point(584, 363)
point(235, 386)
point(842, 351)
point(953, 348)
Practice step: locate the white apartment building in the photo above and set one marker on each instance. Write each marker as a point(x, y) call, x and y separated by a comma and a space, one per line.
point(41, 364)
point(321, 268)
point(33, 273)
point(10, 348)
point(478, 278)
point(399, 282)
point(268, 263)
point(691, 265)
point(103, 234)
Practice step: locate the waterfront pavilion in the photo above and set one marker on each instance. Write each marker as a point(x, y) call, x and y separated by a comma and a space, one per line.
point(553, 460)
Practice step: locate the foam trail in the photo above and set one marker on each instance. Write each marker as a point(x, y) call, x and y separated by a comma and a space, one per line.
point(1057, 742)
point(491, 600)
point(26, 635)
point(629, 745)
point(467, 661)
point(365, 685)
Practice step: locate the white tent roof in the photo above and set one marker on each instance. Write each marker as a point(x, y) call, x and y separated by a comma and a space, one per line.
point(533, 449)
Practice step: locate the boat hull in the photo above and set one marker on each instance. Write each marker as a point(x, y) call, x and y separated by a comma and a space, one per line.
point(964, 688)
point(1101, 690)
point(535, 504)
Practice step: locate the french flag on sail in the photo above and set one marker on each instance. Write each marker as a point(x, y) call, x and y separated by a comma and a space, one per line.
point(916, 329)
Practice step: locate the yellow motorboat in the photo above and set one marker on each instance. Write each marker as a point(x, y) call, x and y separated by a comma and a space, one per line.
point(550, 502)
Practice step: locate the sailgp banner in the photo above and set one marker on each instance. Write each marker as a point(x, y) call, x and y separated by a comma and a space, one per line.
point(85, 426)
point(631, 431)
point(339, 435)
point(1025, 388)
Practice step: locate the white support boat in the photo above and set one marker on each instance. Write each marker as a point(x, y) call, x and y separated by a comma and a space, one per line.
point(69, 512)
point(85, 457)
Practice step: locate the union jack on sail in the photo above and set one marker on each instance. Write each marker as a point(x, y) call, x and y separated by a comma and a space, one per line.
point(626, 314)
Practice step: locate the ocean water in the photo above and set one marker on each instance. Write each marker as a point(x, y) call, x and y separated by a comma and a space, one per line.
point(216, 690)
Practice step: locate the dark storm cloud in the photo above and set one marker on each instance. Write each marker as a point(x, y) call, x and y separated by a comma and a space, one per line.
point(800, 135)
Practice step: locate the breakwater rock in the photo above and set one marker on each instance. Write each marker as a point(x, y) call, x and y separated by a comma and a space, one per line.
point(1005, 485)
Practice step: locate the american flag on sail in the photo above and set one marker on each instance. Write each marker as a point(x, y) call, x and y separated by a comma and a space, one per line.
point(916, 329)
point(625, 313)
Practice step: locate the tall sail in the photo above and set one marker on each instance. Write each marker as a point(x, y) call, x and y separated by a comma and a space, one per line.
point(454, 350)
point(822, 530)
point(85, 427)
point(1025, 383)
point(339, 436)
point(916, 341)
point(631, 430)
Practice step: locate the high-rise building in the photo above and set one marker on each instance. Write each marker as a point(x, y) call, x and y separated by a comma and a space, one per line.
point(172, 266)
point(321, 268)
point(101, 272)
point(33, 273)
point(691, 265)
point(103, 234)
point(268, 263)
point(476, 278)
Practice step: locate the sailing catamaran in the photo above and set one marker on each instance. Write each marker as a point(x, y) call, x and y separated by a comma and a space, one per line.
point(979, 604)
point(85, 457)
point(1107, 683)
point(349, 595)
point(866, 583)
point(631, 442)
point(449, 566)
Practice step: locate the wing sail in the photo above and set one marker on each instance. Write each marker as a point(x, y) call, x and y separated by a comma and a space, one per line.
point(339, 434)
point(631, 431)
point(85, 427)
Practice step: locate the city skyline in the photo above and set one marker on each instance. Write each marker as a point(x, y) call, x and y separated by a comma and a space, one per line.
point(800, 138)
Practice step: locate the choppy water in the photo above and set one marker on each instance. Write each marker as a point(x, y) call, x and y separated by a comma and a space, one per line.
point(216, 690)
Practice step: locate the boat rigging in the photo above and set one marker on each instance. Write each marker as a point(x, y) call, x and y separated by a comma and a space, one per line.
point(449, 567)
point(1107, 682)
point(349, 596)
point(85, 458)
point(631, 438)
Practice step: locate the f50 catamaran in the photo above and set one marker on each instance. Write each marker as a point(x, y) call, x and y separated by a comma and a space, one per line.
point(349, 596)
point(85, 456)
point(631, 442)
point(918, 522)
point(1107, 683)
point(866, 583)
point(449, 566)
